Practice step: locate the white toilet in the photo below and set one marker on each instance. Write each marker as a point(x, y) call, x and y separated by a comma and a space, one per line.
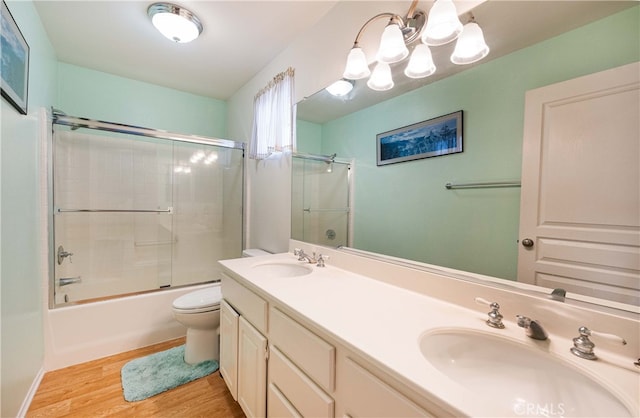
point(199, 311)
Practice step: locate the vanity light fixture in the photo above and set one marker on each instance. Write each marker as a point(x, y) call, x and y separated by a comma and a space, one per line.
point(440, 27)
point(175, 22)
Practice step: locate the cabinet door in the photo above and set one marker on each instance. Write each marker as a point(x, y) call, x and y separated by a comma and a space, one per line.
point(229, 319)
point(252, 370)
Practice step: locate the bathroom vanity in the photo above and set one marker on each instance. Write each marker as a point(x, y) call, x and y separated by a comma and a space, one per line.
point(365, 337)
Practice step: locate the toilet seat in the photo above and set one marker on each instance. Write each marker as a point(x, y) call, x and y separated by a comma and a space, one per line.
point(202, 300)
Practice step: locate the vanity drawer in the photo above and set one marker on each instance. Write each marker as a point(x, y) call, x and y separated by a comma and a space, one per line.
point(312, 354)
point(370, 396)
point(298, 393)
point(251, 306)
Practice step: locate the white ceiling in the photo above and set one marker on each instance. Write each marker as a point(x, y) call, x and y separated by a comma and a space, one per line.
point(241, 37)
point(238, 40)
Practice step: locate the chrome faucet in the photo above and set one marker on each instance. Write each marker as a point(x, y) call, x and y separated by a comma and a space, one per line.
point(533, 329)
point(302, 256)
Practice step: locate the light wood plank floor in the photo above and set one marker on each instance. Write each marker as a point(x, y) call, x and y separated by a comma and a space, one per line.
point(94, 389)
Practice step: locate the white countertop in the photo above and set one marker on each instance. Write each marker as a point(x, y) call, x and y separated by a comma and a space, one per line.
point(384, 323)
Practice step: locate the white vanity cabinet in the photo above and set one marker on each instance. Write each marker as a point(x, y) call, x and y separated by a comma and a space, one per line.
point(301, 369)
point(243, 346)
point(277, 364)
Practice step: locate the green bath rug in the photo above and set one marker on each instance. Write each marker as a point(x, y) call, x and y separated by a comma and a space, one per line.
point(159, 372)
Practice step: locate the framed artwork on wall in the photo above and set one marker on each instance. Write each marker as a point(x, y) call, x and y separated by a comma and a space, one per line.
point(15, 62)
point(430, 138)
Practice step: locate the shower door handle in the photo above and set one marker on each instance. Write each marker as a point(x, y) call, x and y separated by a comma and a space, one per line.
point(64, 281)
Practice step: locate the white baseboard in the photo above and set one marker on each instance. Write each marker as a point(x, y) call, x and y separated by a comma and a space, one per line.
point(26, 403)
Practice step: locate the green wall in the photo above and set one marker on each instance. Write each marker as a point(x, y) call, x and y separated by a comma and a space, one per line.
point(404, 209)
point(21, 282)
point(97, 95)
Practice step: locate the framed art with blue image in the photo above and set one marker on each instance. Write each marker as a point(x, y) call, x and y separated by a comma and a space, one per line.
point(15, 62)
point(430, 138)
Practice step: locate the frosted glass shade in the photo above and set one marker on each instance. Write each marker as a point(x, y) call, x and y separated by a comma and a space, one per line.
point(340, 88)
point(421, 63)
point(380, 79)
point(392, 47)
point(356, 67)
point(470, 46)
point(443, 25)
point(175, 27)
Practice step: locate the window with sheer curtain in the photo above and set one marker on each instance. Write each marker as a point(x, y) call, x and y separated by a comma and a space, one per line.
point(274, 118)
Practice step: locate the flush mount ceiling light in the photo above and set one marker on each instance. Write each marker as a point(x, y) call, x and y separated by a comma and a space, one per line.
point(441, 27)
point(340, 88)
point(176, 23)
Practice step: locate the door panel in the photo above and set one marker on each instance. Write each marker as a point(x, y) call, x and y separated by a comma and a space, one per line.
point(581, 186)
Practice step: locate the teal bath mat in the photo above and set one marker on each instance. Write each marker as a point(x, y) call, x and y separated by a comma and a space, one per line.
point(159, 372)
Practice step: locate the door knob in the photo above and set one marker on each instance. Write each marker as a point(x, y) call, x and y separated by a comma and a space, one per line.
point(527, 242)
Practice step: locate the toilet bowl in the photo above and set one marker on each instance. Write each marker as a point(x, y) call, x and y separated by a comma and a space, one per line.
point(199, 311)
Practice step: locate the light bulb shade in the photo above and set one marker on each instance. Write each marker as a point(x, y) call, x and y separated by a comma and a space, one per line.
point(392, 47)
point(421, 63)
point(340, 88)
point(470, 46)
point(356, 67)
point(380, 79)
point(174, 22)
point(443, 24)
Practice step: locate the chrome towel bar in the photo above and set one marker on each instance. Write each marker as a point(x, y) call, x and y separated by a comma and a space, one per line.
point(168, 210)
point(492, 184)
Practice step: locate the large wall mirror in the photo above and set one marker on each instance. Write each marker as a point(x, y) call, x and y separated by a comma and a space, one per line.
point(405, 210)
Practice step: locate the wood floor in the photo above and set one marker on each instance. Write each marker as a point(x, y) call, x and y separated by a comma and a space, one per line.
point(94, 389)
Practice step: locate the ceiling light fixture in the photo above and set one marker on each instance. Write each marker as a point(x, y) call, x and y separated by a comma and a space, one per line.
point(176, 23)
point(441, 27)
point(341, 87)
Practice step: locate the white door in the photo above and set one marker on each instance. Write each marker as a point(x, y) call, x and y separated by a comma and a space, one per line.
point(252, 370)
point(229, 319)
point(580, 211)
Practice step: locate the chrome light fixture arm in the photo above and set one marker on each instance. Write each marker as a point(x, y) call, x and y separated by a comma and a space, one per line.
point(411, 25)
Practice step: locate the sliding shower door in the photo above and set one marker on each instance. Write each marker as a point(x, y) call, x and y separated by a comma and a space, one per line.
point(133, 214)
point(320, 202)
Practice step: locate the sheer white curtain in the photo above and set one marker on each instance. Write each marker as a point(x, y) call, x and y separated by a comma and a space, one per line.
point(274, 118)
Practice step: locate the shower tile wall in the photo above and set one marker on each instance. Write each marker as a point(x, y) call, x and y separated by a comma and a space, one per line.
point(120, 253)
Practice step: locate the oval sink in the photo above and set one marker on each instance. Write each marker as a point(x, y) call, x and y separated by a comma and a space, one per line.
point(524, 380)
point(271, 270)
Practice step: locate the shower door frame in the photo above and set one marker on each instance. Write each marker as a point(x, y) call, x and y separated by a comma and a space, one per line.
point(61, 118)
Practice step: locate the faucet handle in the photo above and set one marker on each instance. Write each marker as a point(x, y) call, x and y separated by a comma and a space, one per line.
point(321, 259)
point(495, 317)
point(583, 346)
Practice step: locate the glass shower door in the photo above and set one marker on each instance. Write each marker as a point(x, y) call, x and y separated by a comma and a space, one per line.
point(320, 202)
point(113, 212)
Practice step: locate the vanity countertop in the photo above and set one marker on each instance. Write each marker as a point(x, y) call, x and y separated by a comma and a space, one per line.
point(384, 323)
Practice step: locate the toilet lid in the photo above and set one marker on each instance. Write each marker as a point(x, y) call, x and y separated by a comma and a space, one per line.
point(198, 299)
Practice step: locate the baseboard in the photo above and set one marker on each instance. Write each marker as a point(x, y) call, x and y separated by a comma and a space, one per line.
point(26, 403)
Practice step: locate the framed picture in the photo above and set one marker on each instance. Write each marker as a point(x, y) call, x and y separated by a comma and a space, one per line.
point(15, 62)
point(431, 138)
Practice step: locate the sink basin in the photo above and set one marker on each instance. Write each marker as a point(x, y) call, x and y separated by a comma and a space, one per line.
point(525, 380)
point(271, 270)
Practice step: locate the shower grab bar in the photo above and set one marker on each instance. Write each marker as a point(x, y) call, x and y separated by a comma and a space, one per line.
point(487, 185)
point(60, 118)
point(169, 210)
